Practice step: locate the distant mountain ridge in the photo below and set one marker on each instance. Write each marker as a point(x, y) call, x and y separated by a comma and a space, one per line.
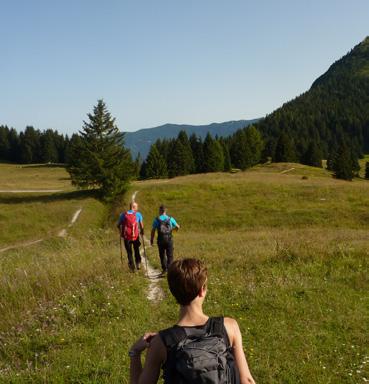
point(141, 140)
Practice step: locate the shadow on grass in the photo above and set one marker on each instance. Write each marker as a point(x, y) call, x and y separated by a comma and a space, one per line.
point(24, 199)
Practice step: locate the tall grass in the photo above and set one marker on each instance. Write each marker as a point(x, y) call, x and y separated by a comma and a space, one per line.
point(287, 258)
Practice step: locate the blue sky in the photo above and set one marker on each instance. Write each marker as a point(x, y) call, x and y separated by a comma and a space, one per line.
point(153, 62)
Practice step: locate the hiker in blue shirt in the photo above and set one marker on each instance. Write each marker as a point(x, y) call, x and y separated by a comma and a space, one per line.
point(164, 224)
point(130, 224)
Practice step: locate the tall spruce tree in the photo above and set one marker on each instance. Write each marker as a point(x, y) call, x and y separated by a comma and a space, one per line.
point(285, 150)
point(213, 155)
point(241, 155)
point(197, 152)
point(14, 147)
point(4, 143)
point(99, 160)
point(49, 152)
point(313, 155)
point(227, 157)
point(180, 158)
point(155, 165)
point(343, 166)
point(255, 143)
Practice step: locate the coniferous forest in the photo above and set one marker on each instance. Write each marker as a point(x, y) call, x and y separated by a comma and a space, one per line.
point(330, 121)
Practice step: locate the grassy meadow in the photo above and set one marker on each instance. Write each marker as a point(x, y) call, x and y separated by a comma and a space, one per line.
point(287, 255)
point(29, 216)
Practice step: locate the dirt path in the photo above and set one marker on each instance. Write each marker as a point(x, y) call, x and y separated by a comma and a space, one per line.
point(154, 293)
point(61, 233)
point(287, 170)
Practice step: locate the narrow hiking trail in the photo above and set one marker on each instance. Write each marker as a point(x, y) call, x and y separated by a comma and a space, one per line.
point(155, 292)
point(61, 233)
point(287, 170)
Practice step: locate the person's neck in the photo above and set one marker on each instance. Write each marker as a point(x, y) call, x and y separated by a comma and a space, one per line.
point(192, 314)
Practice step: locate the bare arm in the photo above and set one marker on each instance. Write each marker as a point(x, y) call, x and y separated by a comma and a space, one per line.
point(235, 339)
point(155, 356)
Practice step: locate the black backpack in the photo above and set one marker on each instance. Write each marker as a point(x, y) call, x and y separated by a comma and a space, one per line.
point(198, 355)
point(164, 231)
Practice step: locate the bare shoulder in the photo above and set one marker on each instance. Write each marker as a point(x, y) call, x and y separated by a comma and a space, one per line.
point(232, 328)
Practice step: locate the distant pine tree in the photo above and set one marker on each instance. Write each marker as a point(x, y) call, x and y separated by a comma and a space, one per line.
point(99, 159)
point(367, 170)
point(240, 150)
point(137, 166)
point(155, 165)
point(343, 166)
point(284, 152)
point(4, 143)
point(14, 145)
point(180, 159)
point(213, 155)
point(313, 155)
point(30, 148)
point(255, 143)
point(227, 157)
point(49, 152)
point(197, 153)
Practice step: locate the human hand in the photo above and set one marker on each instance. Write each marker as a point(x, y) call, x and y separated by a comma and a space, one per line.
point(143, 342)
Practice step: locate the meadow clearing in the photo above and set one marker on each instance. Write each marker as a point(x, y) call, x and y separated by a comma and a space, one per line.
point(287, 257)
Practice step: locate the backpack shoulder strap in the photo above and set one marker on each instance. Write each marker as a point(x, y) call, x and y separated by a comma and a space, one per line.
point(216, 327)
point(172, 336)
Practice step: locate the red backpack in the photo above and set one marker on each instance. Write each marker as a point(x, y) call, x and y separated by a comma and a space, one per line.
point(130, 226)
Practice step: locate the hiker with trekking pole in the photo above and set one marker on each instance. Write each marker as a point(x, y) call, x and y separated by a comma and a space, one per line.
point(130, 225)
point(164, 224)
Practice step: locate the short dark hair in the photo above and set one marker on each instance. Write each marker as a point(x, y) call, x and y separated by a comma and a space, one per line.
point(162, 208)
point(185, 279)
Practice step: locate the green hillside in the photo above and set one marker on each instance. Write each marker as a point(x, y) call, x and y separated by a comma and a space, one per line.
point(335, 108)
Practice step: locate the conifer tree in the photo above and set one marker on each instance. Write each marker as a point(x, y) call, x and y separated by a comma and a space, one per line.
point(4, 143)
point(227, 158)
point(180, 159)
point(155, 164)
point(14, 147)
point(284, 152)
point(197, 152)
point(343, 166)
point(99, 159)
point(255, 143)
point(213, 155)
point(30, 145)
point(313, 155)
point(241, 155)
point(367, 170)
point(49, 153)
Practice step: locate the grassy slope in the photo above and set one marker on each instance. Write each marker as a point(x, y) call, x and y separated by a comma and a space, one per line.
point(287, 257)
point(31, 216)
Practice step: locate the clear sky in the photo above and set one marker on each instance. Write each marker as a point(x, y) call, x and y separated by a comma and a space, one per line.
point(159, 61)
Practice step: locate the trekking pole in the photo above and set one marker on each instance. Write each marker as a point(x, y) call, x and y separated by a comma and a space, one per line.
point(144, 248)
point(121, 249)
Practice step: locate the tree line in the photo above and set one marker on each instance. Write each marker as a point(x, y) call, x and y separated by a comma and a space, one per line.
point(34, 146)
point(188, 155)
